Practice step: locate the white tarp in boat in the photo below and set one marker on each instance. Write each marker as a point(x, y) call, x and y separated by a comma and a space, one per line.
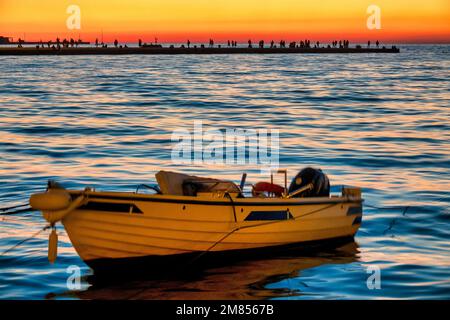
point(175, 183)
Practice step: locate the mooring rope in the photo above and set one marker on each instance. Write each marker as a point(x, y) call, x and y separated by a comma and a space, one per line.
point(385, 208)
point(295, 218)
point(24, 240)
point(14, 207)
point(232, 204)
point(394, 220)
point(6, 211)
point(16, 211)
point(202, 253)
point(253, 226)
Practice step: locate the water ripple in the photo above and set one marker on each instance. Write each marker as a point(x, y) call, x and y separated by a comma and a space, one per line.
point(379, 121)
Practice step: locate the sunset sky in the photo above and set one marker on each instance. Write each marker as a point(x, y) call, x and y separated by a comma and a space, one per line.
point(199, 20)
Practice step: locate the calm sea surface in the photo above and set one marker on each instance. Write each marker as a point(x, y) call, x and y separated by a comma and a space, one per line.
point(379, 121)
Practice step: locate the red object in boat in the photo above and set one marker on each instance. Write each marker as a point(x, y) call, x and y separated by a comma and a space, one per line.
point(268, 187)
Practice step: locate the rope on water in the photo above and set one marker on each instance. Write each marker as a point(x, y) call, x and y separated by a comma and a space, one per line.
point(394, 220)
point(25, 240)
point(386, 208)
point(5, 211)
point(14, 207)
point(16, 211)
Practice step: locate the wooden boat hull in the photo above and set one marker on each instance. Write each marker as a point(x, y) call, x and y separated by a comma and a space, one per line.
point(196, 261)
point(117, 226)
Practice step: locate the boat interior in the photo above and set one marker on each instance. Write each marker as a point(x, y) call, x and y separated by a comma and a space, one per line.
point(309, 182)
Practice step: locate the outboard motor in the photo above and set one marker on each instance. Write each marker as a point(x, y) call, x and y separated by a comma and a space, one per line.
point(320, 185)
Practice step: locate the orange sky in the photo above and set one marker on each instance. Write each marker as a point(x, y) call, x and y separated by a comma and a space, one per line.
point(198, 20)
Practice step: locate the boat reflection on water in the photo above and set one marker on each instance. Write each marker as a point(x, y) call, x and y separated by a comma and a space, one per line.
point(230, 279)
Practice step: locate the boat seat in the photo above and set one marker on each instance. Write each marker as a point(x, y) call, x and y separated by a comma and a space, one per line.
point(179, 184)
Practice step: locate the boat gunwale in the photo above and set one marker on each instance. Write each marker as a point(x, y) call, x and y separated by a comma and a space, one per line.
point(127, 196)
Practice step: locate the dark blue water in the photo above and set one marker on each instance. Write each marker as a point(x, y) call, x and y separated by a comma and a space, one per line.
point(378, 121)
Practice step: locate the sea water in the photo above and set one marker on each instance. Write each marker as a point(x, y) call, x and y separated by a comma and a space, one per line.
point(377, 121)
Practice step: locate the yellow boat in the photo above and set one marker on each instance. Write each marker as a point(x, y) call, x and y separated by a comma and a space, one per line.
point(189, 216)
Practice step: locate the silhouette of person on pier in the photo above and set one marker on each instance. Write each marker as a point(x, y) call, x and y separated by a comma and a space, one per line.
point(140, 43)
point(377, 43)
point(250, 43)
point(368, 44)
point(188, 43)
point(116, 43)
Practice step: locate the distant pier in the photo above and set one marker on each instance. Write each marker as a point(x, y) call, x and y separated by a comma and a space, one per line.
point(25, 43)
point(9, 41)
point(31, 51)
